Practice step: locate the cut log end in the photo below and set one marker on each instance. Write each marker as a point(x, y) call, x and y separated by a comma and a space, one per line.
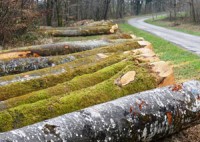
point(145, 44)
point(114, 28)
point(133, 36)
point(164, 73)
point(145, 55)
point(14, 55)
point(126, 79)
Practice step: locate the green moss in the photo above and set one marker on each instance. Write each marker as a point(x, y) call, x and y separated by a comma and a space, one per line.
point(6, 121)
point(21, 88)
point(77, 83)
point(99, 93)
point(87, 55)
point(117, 48)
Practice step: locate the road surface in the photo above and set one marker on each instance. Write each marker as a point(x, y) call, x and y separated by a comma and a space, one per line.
point(187, 41)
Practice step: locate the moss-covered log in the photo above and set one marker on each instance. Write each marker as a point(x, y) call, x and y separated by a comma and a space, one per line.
point(31, 113)
point(83, 31)
point(64, 67)
point(57, 48)
point(144, 116)
point(33, 83)
point(77, 83)
point(14, 66)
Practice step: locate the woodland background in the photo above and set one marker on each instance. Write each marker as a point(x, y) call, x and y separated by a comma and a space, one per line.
point(17, 17)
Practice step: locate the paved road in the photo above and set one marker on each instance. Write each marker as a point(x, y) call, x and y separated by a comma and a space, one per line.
point(187, 41)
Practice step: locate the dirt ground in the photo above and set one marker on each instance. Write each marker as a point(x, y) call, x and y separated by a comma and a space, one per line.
point(190, 135)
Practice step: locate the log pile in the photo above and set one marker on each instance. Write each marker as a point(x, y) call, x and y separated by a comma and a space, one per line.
point(45, 81)
point(144, 116)
point(92, 28)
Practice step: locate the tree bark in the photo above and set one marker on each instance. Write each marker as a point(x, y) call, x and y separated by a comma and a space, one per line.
point(56, 48)
point(14, 66)
point(36, 80)
point(78, 83)
point(69, 102)
point(49, 8)
point(84, 31)
point(144, 116)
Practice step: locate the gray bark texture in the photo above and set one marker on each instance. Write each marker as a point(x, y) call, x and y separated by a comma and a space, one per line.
point(144, 116)
point(20, 65)
point(58, 48)
point(82, 31)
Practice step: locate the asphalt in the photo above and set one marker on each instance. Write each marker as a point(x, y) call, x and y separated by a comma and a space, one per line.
point(186, 41)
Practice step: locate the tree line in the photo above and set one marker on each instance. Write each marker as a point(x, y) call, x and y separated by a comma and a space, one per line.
point(17, 16)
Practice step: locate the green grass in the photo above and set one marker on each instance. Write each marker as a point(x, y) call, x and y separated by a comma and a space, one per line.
point(185, 28)
point(186, 64)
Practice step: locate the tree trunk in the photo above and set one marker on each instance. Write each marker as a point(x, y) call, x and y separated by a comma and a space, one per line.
point(83, 31)
point(56, 48)
point(59, 12)
point(78, 83)
point(49, 8)
point(106, 8)
point(69, 102)
point(145, 116)
point(162, 72)
point(14, 66)
point(193, 11)
point(44, 78)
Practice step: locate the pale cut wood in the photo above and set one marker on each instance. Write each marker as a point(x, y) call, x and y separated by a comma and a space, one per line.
point(133, 36)
point(164, 73)
point(146, 44)
point(126, 78)
point(145, 55)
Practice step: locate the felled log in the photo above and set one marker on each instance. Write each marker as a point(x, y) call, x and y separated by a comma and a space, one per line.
point(77, 83)
point(100, 23)
point(145, 55)
point(160, 69)
point(121, 36)
point(16, 66)
point(165, 74)
point(83, 31)
point(63, 67)
point(13, 66)
point(33, 81)
point(57, 48)
point(82, 23)
point(58, 105)
point(144, 116)
point(145, 44)
point(51, 80)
